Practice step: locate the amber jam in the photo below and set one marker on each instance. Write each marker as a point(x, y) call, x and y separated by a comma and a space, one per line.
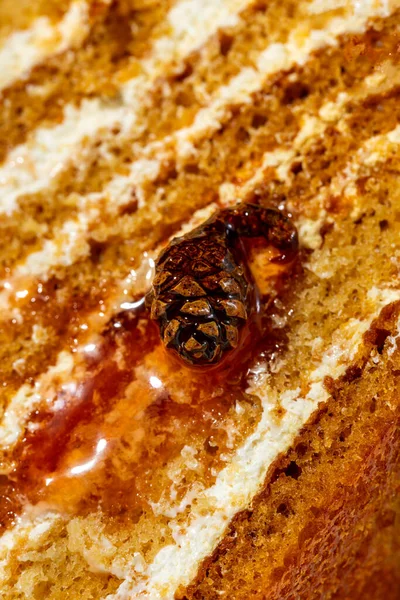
point(104, 444)
point(132, 409)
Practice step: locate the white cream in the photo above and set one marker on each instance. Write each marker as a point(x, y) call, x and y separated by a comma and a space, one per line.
point(29, 397)
point(23, 50)
point(66, 248)
point(358, 6)
point(188, 28)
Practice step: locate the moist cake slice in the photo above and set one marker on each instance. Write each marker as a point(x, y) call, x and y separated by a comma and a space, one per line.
point(124, 473)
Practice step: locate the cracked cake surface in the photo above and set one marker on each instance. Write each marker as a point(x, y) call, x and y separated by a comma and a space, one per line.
point(124, 471)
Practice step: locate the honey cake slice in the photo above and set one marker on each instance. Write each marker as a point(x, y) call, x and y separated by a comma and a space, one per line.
point(125, 124)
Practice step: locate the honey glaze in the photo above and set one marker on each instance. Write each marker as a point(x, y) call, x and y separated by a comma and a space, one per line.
point(132, 436)
point(107, 441)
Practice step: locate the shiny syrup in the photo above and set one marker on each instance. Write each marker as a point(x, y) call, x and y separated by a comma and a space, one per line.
point(104, 447)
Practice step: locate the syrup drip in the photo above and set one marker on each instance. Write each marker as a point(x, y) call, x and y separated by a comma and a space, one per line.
point(104, 446)
point(105, 443)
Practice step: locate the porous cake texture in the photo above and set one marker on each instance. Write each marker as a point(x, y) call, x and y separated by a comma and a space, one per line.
point(124, 474)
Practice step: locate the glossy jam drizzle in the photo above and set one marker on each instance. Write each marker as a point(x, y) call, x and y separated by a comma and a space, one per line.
point(126, 413)
point(104, 443)
point(202, 294)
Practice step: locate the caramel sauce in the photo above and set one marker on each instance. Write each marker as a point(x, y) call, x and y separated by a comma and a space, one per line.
point(106, 442)
point(55, 307)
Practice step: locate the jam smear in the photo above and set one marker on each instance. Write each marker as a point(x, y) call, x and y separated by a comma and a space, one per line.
point(105, 442)
point(109, 436)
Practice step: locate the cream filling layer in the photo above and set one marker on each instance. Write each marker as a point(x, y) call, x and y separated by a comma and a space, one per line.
point(23, 50)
